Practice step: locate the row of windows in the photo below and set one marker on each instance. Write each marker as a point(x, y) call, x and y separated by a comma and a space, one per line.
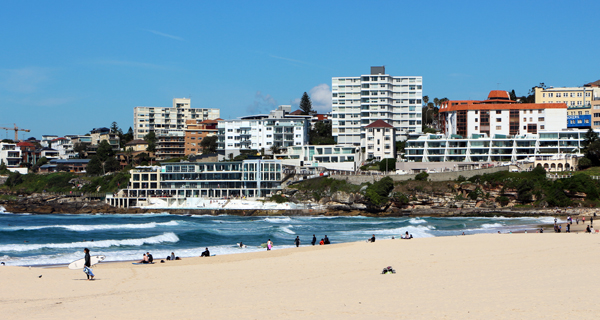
point(500, 127)
point(566, 94)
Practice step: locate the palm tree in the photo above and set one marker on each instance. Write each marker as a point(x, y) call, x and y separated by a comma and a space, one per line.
point(436, 101)
point(425, 100)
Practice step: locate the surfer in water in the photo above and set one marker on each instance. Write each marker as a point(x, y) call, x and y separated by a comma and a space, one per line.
point(87, 265)
point(297, 241)
point(314, 240)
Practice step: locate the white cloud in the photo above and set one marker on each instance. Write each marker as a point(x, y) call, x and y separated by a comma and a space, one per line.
point(166, 35)
point(320, 96)
point(24, 80)
point(262, 103)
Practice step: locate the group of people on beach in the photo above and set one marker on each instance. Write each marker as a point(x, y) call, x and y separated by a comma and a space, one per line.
point(147, 258)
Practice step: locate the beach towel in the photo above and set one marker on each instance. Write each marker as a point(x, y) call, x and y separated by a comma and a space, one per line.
point(88, 271)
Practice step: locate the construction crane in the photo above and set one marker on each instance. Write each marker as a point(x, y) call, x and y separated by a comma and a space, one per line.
point(17, 129)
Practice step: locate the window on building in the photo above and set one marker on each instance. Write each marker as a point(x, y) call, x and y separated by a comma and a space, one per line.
point(476, 128)
point(550, 94)
point(498, 119)
point(541, 119)
point(476, 119)
point(542, 127)
point(579, 94)
point(587, 94)
point(524, 119)
point(530, 119)
point(540, 111)
point(498, 111)
point(558, 94)
point(498, 127)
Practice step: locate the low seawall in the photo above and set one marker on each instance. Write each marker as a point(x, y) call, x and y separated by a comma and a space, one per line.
point(439, 176)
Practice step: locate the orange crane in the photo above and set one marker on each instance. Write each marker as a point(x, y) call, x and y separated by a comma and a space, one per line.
point(17, 129)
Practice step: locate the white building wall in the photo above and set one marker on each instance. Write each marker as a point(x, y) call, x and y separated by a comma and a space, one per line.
point(359, 101)
point(161, 120)
point(555, 119)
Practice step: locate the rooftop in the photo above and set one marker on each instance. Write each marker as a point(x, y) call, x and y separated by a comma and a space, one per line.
point(379, 124)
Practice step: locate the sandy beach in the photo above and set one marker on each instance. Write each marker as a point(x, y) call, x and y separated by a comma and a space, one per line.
point(486, 276)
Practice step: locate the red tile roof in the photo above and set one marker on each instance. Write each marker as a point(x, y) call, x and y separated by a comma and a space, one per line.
point(379, 124)
point(25, 144)
point(296, 113)
point(497, 100)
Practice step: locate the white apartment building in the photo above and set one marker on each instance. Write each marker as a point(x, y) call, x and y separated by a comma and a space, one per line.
point(331, 157)
point(359, 101)
point(498, 115)
point(10, 154)
point(262, 132)
point(162, 120)
point(381, 143)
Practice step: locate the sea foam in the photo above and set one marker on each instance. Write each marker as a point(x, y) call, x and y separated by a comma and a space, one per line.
point(165, 237)
point(82, 227)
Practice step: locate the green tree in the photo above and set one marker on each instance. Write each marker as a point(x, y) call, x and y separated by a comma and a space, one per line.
point(525, 190)
point(422, 176)
point(81, 148)
point(151, 139)
point(104, 161)
point(305, 104)
point(388, 164)
point(3, 168)
point(425, 100)
point(275, 149)
point(321, 134)
point(378, 192)
point(209, 144)
point(41, 161)
point(584, 163)
point(13, 179)
point(114, 128)
point(513, 95)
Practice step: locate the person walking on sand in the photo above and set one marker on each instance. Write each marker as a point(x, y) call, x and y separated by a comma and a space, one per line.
point(269, 245)
point(314, 240)
point(87, 264)
point(297, 241)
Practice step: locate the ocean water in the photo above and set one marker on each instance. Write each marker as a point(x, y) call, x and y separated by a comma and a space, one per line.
point(29, 239)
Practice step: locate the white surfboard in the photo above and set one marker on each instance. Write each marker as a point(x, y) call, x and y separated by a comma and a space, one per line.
point(78, 264)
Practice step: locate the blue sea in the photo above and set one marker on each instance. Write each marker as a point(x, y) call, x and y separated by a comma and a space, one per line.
point(31, 239)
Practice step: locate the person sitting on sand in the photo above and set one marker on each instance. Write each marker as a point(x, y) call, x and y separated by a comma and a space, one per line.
point(372, 239)
point(587, 229)
point(150, 257)
point(326, 240)
point(144, 259)
point(405, 235)
point(206, 253)
point(172, 256)
point(322, 242)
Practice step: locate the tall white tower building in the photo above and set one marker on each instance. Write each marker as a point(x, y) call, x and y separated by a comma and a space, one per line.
point(360, 101)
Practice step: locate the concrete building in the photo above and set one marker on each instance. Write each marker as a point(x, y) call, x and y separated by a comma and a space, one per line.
point(262, 132)
point(173, 182)
point(331, 157)
point(381, 142)
point(196, 131)
point(497, 148)
point(163, 120)
point(360, 101)
point(10, 154)
point(170, 145)
point(578, 100)
point(498, 115)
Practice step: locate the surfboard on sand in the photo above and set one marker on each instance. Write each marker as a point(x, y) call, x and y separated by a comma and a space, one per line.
point(243, 246)
point(78, 264)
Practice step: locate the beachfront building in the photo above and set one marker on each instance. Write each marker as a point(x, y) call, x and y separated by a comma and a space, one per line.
point(360, 101)
point(170, 145)
point(479, 147)
point(10, 154)
point(578, 100)
point(163, 120)
point(498, 115)
point(205, 180)
point(381, 141)
point(264, 133)
point(196, 131)
point(331, 157)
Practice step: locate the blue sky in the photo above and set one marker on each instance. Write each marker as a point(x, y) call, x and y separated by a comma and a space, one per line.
point(67, 67)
